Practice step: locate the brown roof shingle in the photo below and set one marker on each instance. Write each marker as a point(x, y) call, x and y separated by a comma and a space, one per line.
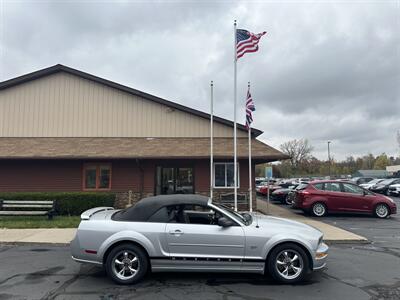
point(105, 148)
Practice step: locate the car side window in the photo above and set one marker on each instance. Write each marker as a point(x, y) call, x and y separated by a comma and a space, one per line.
point(319, 186)
point(353, 189)
point(195, 214)
point(332, 187)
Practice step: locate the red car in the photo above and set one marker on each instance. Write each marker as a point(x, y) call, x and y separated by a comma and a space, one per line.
point(263, 190)
point(325, 196)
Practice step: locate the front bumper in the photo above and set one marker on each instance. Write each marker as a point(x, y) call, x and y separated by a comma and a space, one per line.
point(320, 257)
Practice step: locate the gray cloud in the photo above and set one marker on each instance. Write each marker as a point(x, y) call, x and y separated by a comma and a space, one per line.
point(324, 71)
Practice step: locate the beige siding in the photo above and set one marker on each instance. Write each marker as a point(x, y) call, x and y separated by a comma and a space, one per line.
point(64, 105)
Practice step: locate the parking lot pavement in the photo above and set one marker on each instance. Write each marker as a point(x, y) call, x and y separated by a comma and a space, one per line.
point(383, 233)
point(356, 271)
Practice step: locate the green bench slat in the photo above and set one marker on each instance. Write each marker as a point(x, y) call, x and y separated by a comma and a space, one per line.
point(26, 202)
point(27, 205)
point(17, 213)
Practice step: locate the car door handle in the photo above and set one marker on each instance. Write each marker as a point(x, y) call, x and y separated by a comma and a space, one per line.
point(176, 232)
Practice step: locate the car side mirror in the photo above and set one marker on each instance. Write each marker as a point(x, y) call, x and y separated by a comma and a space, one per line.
point(247, 217)
point(225, 222)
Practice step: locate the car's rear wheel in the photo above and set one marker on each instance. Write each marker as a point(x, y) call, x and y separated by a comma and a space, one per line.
point(318, 209)
point(126, 264)
point(381, 211)
point(288, 263)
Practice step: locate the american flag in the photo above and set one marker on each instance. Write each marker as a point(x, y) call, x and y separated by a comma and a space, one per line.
point(249, 109)
point(246, 42)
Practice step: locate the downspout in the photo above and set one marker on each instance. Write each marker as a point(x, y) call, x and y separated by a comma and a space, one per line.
point(141, 170)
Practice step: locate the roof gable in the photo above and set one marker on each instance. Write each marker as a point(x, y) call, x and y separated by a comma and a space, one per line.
point(61, 68)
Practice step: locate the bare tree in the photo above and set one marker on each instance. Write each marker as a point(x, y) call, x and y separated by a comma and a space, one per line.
point(298, 150)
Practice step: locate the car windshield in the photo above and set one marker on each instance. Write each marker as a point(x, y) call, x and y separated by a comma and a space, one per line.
point(375, 181)
point(301, 186)
point(387, 181)
point(237, 216)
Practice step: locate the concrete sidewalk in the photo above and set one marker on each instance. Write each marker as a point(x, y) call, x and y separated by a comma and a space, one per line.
point(39, 235)
point(331, 233)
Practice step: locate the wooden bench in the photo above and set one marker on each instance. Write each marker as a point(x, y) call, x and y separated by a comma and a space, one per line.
point(229, 198)
point(27, 208)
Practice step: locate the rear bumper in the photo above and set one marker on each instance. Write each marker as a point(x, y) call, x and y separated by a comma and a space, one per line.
point(393, 210)
point(78, 254)
point(85, 261)
point(320, 257)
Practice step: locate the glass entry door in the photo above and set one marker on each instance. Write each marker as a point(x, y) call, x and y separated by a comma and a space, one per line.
point(174, 180)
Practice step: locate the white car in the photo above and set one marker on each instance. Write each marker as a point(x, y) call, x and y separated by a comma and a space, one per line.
point(370, 184)
point(394, 189)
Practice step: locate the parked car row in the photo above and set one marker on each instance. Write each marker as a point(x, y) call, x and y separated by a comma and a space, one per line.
point(320, 197)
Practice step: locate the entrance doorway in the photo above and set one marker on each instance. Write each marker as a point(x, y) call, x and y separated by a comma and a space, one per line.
point(174, 180)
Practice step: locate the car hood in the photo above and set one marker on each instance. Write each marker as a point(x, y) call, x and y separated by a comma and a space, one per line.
point(379, 186)
point(285, 225)
point(285, 190)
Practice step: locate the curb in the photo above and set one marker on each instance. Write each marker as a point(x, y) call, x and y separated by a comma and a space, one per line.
point(342, 242)
point(33, 244)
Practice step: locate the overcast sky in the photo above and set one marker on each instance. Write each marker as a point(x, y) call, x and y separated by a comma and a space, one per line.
point(324, 71)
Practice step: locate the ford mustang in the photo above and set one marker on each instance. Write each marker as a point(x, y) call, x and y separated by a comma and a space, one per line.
point(191, 233)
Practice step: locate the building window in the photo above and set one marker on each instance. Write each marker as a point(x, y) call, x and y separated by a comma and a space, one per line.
point(223, 175)
point(97, 177)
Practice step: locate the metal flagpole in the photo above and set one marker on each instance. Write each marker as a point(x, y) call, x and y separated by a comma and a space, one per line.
point(268, 194)
point(250, 180)
point(234, 117)
point(211, 141)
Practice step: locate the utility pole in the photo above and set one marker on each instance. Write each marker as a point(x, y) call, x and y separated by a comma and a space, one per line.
point(329, 160)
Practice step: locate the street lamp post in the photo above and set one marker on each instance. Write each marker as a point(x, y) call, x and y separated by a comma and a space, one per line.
point(329, 160)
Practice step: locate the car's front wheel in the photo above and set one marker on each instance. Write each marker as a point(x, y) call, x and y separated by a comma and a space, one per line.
point(288, 263)
point(381, 211)
point(126, 264)
point(288, 200)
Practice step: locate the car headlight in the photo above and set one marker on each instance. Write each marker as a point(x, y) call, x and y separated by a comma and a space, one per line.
point(390, 199)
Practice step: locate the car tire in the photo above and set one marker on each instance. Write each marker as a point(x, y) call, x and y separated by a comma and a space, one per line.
point(126, 264)
point(318, 209)
point(288, 201)
point(288, 263)
point(381, 211)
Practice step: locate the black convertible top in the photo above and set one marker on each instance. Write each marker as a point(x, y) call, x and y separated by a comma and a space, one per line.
point(146, 207)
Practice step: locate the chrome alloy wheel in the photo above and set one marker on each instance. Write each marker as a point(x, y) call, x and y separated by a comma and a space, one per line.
point(381, 211)
point(319, 209)
point(289, 264)
point(125, 264)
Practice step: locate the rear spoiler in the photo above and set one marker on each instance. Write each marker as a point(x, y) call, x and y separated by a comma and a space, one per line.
point(90, 212)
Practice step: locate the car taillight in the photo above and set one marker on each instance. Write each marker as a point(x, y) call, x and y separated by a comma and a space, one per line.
point(304, 192)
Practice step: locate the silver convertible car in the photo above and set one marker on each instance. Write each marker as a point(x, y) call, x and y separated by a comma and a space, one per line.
point(190, 233)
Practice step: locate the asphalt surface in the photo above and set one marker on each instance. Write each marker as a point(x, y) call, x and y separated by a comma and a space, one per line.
point(354, 271)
